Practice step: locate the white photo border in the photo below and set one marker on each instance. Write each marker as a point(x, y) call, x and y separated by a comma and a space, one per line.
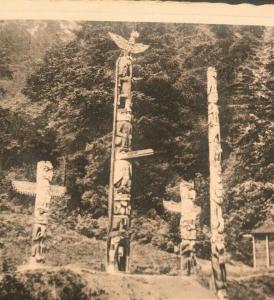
point(138, 11)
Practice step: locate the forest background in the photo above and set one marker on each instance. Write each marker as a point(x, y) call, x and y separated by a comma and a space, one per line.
point(56, 89)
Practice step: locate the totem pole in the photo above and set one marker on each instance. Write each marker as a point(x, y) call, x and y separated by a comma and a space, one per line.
point(43, 191)
point(189, 216)
point(216, 188)
point(118, 244)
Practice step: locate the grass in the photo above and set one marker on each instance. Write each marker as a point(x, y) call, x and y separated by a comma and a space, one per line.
point(69, 249)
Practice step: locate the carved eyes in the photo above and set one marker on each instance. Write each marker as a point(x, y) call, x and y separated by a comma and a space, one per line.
point(47, 169)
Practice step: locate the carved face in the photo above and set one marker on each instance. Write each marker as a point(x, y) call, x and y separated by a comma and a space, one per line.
point(122, 171)
point(211, 72)
point(123, 115)
point(44, 170)
point(187, 190)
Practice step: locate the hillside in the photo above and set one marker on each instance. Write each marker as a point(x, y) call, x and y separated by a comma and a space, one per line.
point(76, 81)
point(70, 283)
point(75, 264)
point(56, 95)
point(23, 45)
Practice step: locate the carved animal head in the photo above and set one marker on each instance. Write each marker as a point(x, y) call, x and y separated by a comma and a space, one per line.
point(134, 35)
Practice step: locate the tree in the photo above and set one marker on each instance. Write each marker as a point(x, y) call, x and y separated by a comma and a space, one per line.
point(76, 81)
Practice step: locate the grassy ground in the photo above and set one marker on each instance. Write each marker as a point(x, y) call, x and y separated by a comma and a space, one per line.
point(257, 287)
point(75, 283)
point(66, 247)
point(244, 282)
point(81, 256)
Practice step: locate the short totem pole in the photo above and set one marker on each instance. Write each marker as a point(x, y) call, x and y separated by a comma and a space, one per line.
point(43, 192)
point(118, 243)
point(189, 216)
point(216, 188)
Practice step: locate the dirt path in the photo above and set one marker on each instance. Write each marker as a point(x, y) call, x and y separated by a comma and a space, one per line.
point(125, 287)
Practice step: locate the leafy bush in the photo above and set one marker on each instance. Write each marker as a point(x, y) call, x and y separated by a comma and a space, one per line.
point(46, 285)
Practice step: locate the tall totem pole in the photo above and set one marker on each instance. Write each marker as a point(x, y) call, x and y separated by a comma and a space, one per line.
point(118, 244)
point(216, 187)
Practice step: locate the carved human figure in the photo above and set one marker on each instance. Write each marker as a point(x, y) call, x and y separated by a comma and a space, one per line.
point(118, 253)
point(123, 116)
point(189, 216)
point(113, 253)
point(122, 175)
point(124, 134)
point(124, 65)
point(41, 210)
point(120, 222)
point(124, 98)
point(218, 265)
point(43, 191)
point(122, 207)
point(213, 115)
point(124, 73)
point(212, 85)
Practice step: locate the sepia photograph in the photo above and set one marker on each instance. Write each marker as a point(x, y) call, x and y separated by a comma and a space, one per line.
point(136, 159)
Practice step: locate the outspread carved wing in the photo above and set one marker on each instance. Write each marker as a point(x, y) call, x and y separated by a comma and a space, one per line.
point(173, 206)
point(139, 48)
point(57, 190)
point(24, 187)
point(119, 41)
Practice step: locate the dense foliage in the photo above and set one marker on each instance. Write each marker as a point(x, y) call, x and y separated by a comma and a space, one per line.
point(63, 284)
